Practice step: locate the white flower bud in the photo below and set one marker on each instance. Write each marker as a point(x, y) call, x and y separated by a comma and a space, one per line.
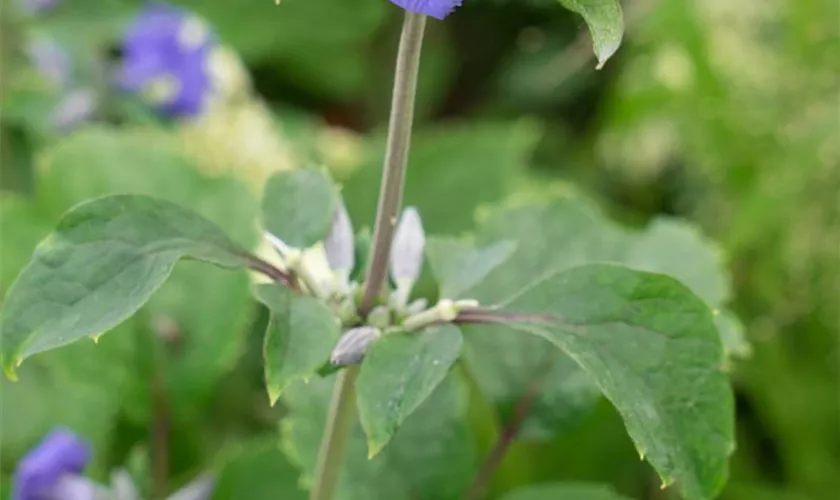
point(353, 345)
point(407, 250)
point(340, 244)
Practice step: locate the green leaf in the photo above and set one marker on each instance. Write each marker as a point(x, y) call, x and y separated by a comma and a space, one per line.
point(298, 206)
point(564, 491)
point(301, 334)
point(102, 263)
point(652, 347)
point(557, 236)
point(605, 22)
point(257, 470)
point(432, 456)
point(459, 266)
point(398, 373)
point(207, 308)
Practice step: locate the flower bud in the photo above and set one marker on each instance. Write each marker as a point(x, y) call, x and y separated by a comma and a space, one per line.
point(380, 317)
point(353, 345)
point(407, 252)
point(340, 244)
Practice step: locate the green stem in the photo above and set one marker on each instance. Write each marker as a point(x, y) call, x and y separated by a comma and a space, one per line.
point(396, 156)
point(339, 423)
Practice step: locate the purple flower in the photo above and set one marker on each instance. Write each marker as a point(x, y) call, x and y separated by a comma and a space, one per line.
point(165, 56)
point(48, 471)
point(50, 59)
point(434, 8)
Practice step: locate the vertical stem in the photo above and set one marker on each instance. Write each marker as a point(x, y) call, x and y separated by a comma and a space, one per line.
point(339, 422)
point(342, 406)
point(160, 438)
point(396, 155)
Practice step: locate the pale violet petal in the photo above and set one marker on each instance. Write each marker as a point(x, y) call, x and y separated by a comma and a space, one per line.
point(200, 489)
point(407, 249)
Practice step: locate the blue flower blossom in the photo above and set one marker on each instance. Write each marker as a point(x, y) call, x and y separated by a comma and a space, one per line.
point(434, 8)
point(48, 470)
point(165, 57)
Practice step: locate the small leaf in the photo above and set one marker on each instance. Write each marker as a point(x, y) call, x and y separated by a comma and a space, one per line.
point(399, 372)
point(300, 336)
point(653, 349)
point(460, 266)
point(101, 264)
point(605, 22)
point(298, 206)
point(564, 491)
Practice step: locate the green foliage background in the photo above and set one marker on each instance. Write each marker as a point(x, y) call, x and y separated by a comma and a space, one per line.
point(724, 113)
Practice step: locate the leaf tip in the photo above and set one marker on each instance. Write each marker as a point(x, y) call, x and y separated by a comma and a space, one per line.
point(10, 371)
point(273, 394)
point(374, 448)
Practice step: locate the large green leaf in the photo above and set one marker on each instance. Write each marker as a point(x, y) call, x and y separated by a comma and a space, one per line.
point(558, 236)
point(302, 333)
point(605, 22)
point(432, 456)
point(652, 348)
point(205, 307)
point(399, 372)
point(564, 491)
point(459, 266)
point(103, 262)
point(298, 206)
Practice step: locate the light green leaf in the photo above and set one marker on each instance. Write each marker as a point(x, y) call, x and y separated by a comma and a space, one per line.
point(564, 491)
point(301, 334)
point(399, 372)
point(679, 249)
point(653, 349)
point(298, 206)
point(432, 456)
point(605, 22)
point(101, 264)
point(459, 266)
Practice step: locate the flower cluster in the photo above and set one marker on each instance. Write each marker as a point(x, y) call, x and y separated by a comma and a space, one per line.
point(165, 58)
point(325, 270)
point(52, 470)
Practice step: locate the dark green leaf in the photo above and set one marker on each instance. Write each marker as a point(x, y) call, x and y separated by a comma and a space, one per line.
point(399, 372)
point(653, 349)
point(564, 491)
point(257, 470)
point(432, 456)
point(298, 206)
point(301, 334)
point(605, 22)
point(459, 266)
point(102, 263)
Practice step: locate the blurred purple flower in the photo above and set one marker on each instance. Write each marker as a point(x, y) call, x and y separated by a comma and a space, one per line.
point(434, 8)
point(50, 59)
point(165, 55)
point(47, 472)
point(75, 107)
